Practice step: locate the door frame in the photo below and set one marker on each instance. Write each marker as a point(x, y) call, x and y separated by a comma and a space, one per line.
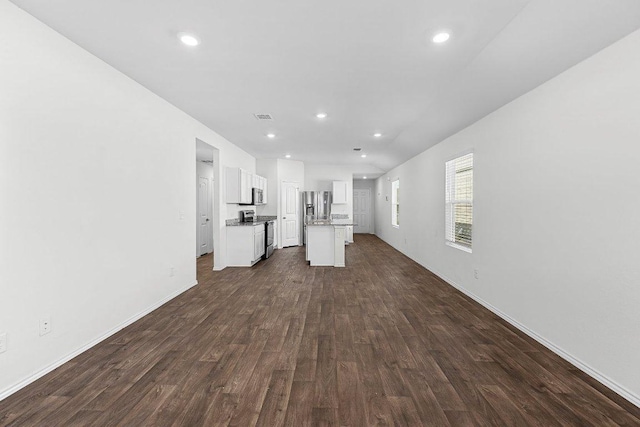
point(281, 214)
point(218, 223)
point(208, 233)
point(369, 208)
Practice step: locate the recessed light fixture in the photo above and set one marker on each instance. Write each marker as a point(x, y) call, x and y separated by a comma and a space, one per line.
point(321, 115)
point(188, 39)
point(364, 177)
point(288, 156)
point(377, 134)
point(363, 155)
point(271, 135)
point(441, 37)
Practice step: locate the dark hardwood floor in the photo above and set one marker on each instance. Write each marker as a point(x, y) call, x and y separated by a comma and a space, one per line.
point(381, 342)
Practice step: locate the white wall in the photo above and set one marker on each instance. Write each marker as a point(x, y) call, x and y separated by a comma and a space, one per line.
point(321, 177)
point(556, 224)
point(291, 171)
point(90, 237)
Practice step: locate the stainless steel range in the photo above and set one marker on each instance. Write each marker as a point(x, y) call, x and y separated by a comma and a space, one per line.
point(269, 235)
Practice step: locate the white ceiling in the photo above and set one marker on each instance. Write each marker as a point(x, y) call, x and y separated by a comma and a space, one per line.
point(369, 64)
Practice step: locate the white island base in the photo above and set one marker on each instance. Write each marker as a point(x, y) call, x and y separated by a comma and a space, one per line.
point(325, 245)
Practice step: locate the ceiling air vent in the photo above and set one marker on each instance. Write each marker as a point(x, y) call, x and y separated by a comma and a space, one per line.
point(263, 116)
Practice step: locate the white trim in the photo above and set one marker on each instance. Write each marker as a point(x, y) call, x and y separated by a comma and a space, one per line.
point(25, 382)
point(458, 246)
point(606, 381)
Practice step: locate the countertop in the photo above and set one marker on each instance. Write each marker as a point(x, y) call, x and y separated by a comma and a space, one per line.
point(259, 220)
point(244, 224)
point(330, 223)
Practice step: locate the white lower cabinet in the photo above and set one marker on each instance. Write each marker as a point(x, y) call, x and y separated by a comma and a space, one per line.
point(245, 245)
point(325, 245)
point(258, 242)
point(320, 245)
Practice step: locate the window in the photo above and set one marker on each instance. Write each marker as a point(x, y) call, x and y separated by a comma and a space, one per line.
point(459, 202)
point(395, 203)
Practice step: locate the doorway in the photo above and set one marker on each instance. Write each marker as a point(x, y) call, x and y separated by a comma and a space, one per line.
point(205, 208)
point(290, 214)
point(207, 202)
point(362, 210)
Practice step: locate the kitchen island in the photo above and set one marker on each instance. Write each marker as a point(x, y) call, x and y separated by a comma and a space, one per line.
point(325, 242)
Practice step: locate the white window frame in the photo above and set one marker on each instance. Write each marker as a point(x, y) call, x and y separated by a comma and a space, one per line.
point(450, 202)
point(395, 204)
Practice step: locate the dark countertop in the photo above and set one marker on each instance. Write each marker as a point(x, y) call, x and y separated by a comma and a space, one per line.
point(244, 224)
point(329, 224)
point(259, 220)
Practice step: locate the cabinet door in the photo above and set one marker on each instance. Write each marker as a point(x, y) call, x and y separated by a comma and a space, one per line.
point(233, 185)
point(264, 190)
point(339, 192)
point(259, 241)
point(246, 180)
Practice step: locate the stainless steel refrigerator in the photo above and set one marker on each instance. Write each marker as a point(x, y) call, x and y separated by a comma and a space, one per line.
point(315, 205)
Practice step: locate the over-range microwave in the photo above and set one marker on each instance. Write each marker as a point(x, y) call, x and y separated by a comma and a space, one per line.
point(257, 196)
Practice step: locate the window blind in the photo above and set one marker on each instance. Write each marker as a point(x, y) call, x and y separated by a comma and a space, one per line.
point(459, 200)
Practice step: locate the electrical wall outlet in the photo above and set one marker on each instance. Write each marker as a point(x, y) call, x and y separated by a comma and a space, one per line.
point(172, 271)
point(3, 342)
point(45, 326)
point(475, 273)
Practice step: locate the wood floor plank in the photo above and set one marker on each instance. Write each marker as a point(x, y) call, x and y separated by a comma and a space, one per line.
point(274, 408)
point(380, 342)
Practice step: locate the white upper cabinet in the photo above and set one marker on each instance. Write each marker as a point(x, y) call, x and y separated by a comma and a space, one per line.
point(239, 184)
point(264, 189)
point(339, 192)
point(260, 183)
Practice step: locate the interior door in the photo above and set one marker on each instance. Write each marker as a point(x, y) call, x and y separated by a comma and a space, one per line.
point(205, 235)
point(290, 214)
point(362, 211)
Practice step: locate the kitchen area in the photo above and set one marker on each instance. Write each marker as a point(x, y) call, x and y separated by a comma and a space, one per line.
point(321, 220)
point(325, 235)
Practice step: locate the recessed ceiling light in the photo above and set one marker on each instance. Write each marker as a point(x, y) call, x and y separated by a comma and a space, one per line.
point(271, 135)
point(363, 155)
point(441, 37)
point(188, 39)
point(288, 156)
point(377, 134)
point(364, 177)
point(321, 115)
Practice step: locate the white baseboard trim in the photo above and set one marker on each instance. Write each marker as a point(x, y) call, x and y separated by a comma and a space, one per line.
point(25, 382)
point(608, 382)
